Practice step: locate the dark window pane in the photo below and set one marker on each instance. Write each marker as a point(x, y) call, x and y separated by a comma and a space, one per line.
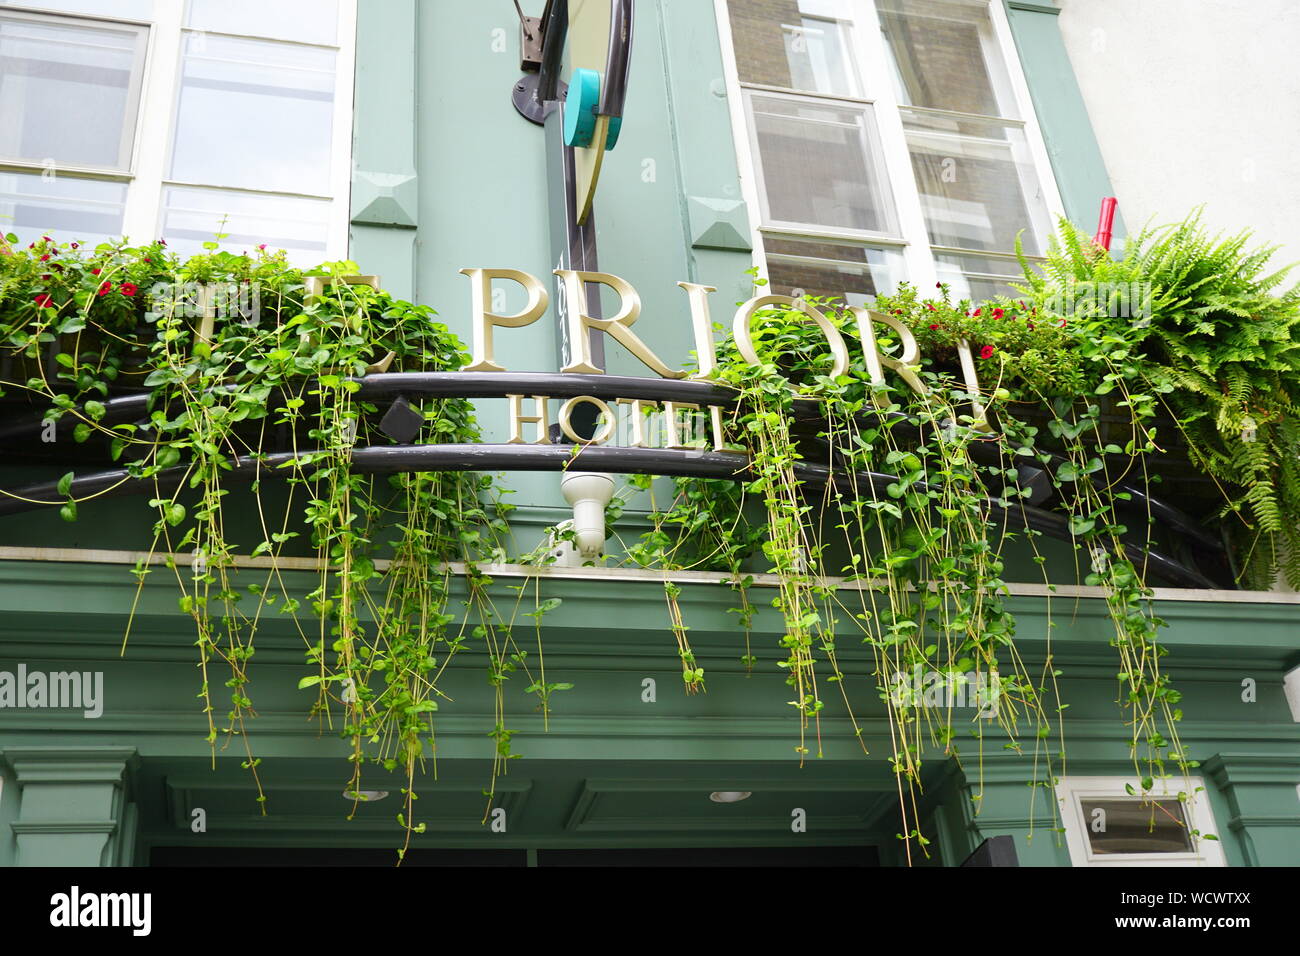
point(1136, 826)
point(821, 165)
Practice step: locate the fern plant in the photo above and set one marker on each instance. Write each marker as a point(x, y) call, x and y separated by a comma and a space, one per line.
point(1217, 337)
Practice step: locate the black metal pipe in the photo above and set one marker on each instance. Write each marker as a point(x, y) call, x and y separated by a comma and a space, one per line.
point(555, 29)
point(618, 64)
point(406, 458)
point(567, 385)
point(552, 384)
point(123, 408)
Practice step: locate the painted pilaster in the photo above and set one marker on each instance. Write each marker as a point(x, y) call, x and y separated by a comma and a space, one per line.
point(1076, 158)
point(385, 181)
point(996, 799)
point(1261, 791)
point(73, 805)
point(715, 216)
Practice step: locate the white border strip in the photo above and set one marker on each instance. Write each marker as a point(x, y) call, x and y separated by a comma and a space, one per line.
point(100, 556)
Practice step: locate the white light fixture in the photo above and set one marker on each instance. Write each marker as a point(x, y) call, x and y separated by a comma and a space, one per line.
point(730, 796)
point(365, 796)
point(588, 493)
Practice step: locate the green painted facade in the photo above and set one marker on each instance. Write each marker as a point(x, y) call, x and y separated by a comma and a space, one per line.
point(448, 176)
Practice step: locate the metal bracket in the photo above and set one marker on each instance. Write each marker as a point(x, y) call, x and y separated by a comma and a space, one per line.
point(530, 42)
point(401, 422)
point(527, 102)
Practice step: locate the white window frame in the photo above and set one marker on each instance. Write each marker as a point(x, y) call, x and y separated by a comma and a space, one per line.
point(147, 177)
point(136, 97)
point(866, 46)
point(1072, 791)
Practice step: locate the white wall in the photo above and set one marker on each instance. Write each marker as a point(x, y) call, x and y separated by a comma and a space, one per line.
point(1196, 101)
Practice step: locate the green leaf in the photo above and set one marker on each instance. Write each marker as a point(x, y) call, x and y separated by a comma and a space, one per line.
point(65, 484)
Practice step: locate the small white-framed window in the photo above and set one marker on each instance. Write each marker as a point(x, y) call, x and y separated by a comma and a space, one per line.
point(900, 127)
point(1108, 822)
point(191, 120)
point(70, 103)
point(820, 164)
point(69, 91)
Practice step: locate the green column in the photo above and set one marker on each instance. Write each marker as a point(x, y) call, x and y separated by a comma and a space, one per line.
point(1263, 803)
point(73, 808)
point(997, 800)
point(1076, 158)
point(385, 197)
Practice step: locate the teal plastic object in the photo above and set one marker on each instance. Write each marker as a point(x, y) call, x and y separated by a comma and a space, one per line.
point(580, 107)
point(580, 111)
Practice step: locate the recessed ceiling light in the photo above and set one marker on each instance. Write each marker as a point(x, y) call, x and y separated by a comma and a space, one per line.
point(365, 796)
point(730, 796)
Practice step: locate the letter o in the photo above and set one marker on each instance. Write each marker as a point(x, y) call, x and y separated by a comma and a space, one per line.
point(745, 343)
point(566, 410)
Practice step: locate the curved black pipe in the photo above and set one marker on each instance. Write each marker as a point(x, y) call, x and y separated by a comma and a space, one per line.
point(553, 384)
point(123, 408)
point(393, 459)
point(619, 61)
point(555, 29)
point(390, 385)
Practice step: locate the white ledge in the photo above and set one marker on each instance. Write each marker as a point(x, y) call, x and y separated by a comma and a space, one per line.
point(101, 556)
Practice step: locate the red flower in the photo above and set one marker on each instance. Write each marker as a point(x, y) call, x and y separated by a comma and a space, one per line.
point(43, 301)
point(987, 352)
point(262, 247)
point(94, 272)
point(978, 311)
point(47, 277)
point(127, 288)
point(933, 327)
point(148, 260)
point(105, 288)
point(998, 313)
point(76, 245)
point(45, 258)
point(938, 285)
point(162, 242)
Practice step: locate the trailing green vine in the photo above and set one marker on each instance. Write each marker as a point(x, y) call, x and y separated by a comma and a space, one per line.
point(886, 511)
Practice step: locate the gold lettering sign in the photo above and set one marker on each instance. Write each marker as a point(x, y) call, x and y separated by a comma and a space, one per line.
point(619, 327)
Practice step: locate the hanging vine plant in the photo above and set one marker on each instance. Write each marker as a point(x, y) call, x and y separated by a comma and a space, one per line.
point(885, 507)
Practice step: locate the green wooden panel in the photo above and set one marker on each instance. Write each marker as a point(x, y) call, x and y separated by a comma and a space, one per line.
point(1076, 157)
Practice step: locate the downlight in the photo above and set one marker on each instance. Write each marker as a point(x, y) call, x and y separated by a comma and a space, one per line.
point(365, 796)
point(730, 796)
